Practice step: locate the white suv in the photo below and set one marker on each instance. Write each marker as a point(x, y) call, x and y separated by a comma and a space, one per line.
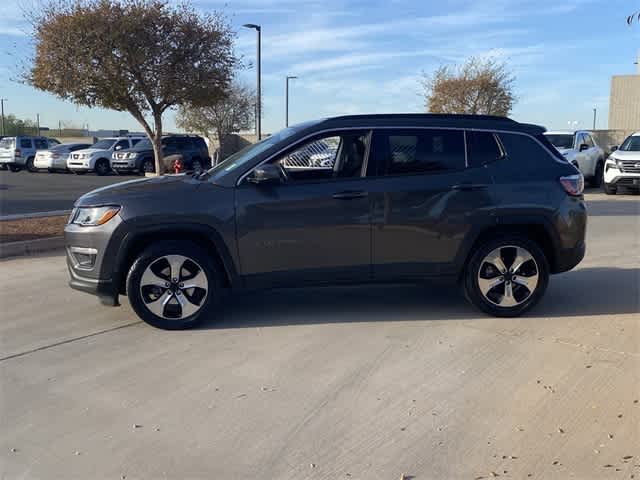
point(580, 149)
point(97, 157)
point(622, 168)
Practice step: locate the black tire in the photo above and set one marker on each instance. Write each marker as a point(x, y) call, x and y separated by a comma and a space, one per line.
point(608, 189)
point(197, 166)
point(30, 165)
point(15, 168)
point(147, 166)
point(598, 176)
point(102, 167)
point(155, 253)
point(3, 166)
point(472, 271)
point(78, 172)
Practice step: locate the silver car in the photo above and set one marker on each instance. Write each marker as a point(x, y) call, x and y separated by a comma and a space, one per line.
point(56, 157)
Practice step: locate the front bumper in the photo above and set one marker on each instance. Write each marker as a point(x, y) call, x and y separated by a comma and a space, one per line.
point(124, 165)
point(97, 276)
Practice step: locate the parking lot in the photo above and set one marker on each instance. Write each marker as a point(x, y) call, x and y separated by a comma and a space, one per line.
point(353, 383)
point(25, 192)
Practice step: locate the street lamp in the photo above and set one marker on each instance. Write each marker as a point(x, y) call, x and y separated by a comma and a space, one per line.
point(258, 30)
point(2, 100)
point(286, 99)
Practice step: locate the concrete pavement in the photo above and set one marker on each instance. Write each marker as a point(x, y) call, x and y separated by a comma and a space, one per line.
point(353, 383)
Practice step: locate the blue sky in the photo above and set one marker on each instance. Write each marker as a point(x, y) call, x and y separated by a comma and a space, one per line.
point(367, 56)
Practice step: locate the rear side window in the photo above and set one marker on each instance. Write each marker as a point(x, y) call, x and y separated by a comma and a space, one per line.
point(405, 152)
point(41, 143)
point(25, 143)
point(523, 148)
point(483, 148)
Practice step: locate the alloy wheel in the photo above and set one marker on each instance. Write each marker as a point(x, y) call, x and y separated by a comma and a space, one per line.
point(148, 167)
point(508, 276)
point(174, 287)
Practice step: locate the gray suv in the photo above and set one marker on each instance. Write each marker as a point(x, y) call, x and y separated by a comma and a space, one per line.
point(19, 152)
point(484, 201)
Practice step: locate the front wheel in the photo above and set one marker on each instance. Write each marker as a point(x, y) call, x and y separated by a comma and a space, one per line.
point(102, 167)
point(609, 189)
point(173, 285)
point(148, 166)
point(506, 276)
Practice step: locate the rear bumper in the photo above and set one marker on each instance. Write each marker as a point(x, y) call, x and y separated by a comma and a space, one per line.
point(568, 258)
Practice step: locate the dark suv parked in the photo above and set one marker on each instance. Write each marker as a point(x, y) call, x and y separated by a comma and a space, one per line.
point(483, 200)
point(140, 158)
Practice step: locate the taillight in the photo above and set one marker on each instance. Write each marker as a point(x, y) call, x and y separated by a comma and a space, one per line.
point(18, 153)
point(573, 184)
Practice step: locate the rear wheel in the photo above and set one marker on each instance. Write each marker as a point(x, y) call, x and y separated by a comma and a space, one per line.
point(196, 166)
point(598, 176)
point(506, 276)
point(173, 285)
point(102, 167)
point(30, 165)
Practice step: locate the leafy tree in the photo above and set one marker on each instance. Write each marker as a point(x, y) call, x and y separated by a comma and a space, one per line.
point(139, 56)
point(635, 16)
point(231, 113)
point(476, 87)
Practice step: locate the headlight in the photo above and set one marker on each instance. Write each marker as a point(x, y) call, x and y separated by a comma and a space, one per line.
point(85, 155)
point(132, 155)
point(94, 216)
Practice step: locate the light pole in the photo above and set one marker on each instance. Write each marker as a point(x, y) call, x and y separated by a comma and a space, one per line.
point(286, 99)
point(2, 100)
point(594, 118)
point(38, 123)
point(258, 30)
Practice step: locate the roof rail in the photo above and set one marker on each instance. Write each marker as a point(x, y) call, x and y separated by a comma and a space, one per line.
point(443, 116)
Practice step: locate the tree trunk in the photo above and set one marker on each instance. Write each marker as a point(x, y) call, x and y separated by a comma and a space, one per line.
point(157, 143)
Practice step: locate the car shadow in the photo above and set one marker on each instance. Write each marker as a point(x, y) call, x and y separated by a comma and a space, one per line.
point(609, 208)
point(583, 292)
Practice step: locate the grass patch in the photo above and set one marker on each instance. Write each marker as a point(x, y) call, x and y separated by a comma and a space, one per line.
point(32, 228)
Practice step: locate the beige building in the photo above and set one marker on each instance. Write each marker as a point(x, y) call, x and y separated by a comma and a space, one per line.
point(624, 102)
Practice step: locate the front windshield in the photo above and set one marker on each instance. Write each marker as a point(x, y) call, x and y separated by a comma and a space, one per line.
point(631, 144)
point(560, 140)
point(105, 144)
point(144, 144)
point(248, 153)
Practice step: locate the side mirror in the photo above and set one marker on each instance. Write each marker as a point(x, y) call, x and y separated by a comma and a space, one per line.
point(613, 148)
point(118, 147)
point(584, 147)
point(267, 174)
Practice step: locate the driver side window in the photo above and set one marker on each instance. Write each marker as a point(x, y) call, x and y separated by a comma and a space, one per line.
point(335, 155)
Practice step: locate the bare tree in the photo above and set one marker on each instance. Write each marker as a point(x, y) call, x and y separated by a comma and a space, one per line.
point(231, 113)
point(479, 86)
point(139, 56)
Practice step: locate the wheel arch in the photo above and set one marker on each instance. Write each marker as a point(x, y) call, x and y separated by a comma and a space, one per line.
point(538, 231)
point(204, 236)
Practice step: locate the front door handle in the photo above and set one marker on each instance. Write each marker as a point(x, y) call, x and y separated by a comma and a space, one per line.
point(469, 186)
point(349, 195)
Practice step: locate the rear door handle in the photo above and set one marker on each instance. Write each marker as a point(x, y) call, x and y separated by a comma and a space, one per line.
point(469, 186)
point(349, 195)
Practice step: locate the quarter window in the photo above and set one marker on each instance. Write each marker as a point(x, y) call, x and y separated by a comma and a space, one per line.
point(523, 148)
point(483, 148)
point(420, 151)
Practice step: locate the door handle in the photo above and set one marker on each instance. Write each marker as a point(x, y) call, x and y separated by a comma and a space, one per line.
point(469, 186)
point(349, 195)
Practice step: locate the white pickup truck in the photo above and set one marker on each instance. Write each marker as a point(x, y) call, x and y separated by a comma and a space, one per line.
point(580, 149)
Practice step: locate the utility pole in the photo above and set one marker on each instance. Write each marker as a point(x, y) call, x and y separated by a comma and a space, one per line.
point(258, 30)
point(286, 99)
point(2, 100)
point(59, 128)
point(38, 123)
point(594, 118)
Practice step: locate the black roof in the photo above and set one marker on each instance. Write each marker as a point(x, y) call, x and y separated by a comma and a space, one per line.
point(434, 120)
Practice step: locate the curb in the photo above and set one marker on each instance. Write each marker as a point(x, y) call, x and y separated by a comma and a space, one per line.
point(31, 247)
point(23, 216)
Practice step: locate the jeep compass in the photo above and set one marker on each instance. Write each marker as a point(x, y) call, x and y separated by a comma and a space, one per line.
point(484, 201)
